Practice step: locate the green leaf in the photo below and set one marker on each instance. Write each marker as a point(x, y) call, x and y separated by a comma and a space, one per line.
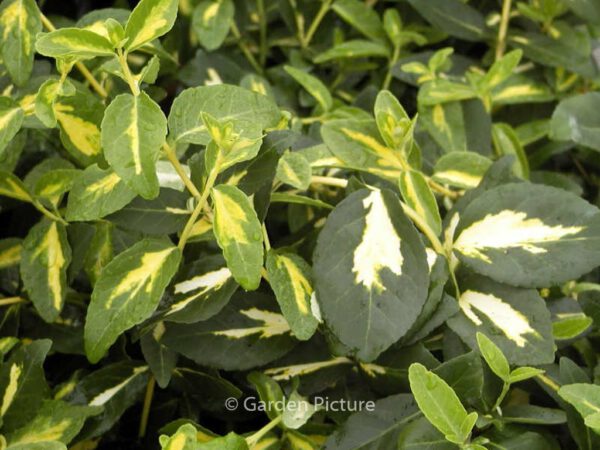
point(291, 279)
point(493, 357)
point(44, 102)
point(114, 387)
point(79, 117)
point(362, 17)
point(393, 122)
point(440, 404)
point(443, 91)
point(73, 42)
point(11, 186)
point(529, 235)
point(161, 359)
point(96, 193)
point(461, 169)
point(506, 142)
point(133, 131)
point(183, 438)
point(20, 22)
point(11, 119)
point(294, 169)
point(247, 333)
point(357, 48)
point(55, 420)
point(201, 290)
point(239, 234)
point(454, 17)
point(149, 20)
point(571, 326)
point(10, 252)
point(535, 415)
point(501, 70)
point(211, 22)
point(515, 320)
point(523, 373)
point(417, 194)
point(313, 85)
point(100, 251)
point(370, 259)
point(45, 257)
point(269, 392)
point(357, 144)
point(297, 411)
point(23, 384)
point(376, 427)
point(586, 400)
point(121, 301)
point(575, 119)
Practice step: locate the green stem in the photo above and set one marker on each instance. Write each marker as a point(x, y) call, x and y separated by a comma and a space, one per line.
point(84, 70)
point(253, 440)
point(388, 76)
point(500, 398)
point(133, 84)
point(548, 382)
point(425, 229)
point(244, 48)
point(172, 157)
point(262, 17)
point(329, 181)
point(315, 23)
point(503, 29)
point(187, 230)
point(50, 215)
point(266, 238)
point(147, 404)
point(11, 301)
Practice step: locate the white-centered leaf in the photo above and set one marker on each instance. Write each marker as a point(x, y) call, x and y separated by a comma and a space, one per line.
point(529, 235)
point(371, 272)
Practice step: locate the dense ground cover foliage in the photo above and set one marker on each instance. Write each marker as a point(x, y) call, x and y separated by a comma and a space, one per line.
point(299, 224)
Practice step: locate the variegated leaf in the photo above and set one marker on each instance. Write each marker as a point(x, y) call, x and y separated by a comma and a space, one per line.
point(20, 22)
point(313, 85)
point(149, 20)
point(97, 193)
point(529, 235)
point(357, 145)
point(45, 257)
point(371, 272)
point(239, 234)
point(211, 21)
point(461, 169)
point(11, 119)
point(394, 124)
point(127, 292)
point(54, 421)
point(247, 333)
point(22, 384)
point(133, 130)
point(201, 291)
point(418, 196)
point(10, 252)
point(73, 42)
point(291, 279)
point(515, 319)
point(11, 186)
point(294, 169)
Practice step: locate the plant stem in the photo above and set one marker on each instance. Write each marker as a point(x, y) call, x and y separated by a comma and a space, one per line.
point(548, 382)
point(133, 85)
point(172, 157)
point(441, 189)
point(388, 76)
point(262, 17)
point(185, 234)
point(252, 440)
point(422, 225)
point(244, 48)
point(315, 23)
point(503, 28)
point(50, 215)
point(500, 398)
point(80, 66)
point(11, 301)
point(329, 181)
point(266, 237)
point(147, 404)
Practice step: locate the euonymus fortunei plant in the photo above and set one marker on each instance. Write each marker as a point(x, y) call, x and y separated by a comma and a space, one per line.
point(299, 224)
